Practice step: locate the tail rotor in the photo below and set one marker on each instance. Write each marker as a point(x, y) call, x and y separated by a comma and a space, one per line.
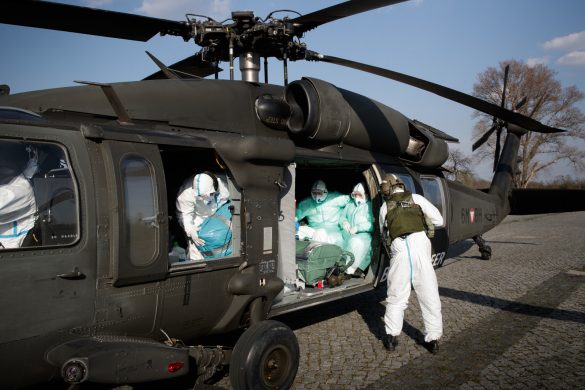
point(498, 124)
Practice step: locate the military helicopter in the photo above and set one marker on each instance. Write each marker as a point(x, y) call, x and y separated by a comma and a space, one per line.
point(96, 293)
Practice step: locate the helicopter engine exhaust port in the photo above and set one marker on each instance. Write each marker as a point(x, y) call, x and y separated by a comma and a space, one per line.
point(266, 356)
point(322, 112)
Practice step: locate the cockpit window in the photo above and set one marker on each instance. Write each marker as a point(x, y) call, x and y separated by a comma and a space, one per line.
point(408, 182)
point(13, 113)
point(38, 198)
point(433, 191)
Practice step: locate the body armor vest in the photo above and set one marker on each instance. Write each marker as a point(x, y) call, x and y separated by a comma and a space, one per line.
point(403, 216)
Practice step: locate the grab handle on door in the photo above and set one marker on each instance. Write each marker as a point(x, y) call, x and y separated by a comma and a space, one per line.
point(76, 274)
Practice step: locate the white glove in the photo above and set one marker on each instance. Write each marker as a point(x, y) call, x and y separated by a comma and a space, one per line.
point(346, 226)
point(353, 230)
point(195, 238)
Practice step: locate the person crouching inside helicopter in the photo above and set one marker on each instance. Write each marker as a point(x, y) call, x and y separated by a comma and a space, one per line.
point(403, 215)
point(17, 199)
point(356, 222)
point(323, 211)
point(200, 197)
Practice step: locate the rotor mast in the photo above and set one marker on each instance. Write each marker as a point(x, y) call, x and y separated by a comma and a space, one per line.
point(250, 67)
point(248, 38)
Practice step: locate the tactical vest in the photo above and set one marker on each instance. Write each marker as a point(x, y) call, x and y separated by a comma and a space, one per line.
point(403, 216)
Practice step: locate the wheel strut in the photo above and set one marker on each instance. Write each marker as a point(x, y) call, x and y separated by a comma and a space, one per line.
point(485, 250)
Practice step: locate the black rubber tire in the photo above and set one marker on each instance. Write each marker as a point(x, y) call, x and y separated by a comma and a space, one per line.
point(265, 357)
point(486, 254)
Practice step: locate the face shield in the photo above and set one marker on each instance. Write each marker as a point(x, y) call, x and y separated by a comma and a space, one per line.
point(319, 191)
point(12, 160)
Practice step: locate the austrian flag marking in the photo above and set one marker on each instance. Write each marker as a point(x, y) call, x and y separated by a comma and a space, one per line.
point(471, 215)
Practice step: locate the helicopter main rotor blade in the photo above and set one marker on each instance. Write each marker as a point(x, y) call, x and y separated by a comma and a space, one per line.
point(84, 20)
point(187, 68)
point(525, 122)
point(314, 19)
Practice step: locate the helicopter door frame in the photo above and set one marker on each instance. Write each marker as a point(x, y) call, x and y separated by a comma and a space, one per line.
point(440, 241)
point(139, 249)
point(49, 287)
point(373, 179)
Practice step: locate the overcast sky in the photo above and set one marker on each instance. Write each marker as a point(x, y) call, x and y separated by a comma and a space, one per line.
point(445, 41)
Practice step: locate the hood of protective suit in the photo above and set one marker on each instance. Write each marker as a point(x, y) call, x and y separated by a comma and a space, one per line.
point(358, 194)
point(319, 191)
point(204, 188)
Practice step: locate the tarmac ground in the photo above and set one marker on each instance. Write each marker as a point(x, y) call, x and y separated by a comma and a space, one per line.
point(515, 321)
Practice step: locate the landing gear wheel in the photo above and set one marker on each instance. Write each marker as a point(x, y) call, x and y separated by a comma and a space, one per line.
point(265, 357)
point(486, 252)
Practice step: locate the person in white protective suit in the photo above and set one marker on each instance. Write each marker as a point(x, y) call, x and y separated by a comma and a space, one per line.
point(357, 226)
point(403, 216)
point(17, 200)
point(199, 197)
point(323, 212)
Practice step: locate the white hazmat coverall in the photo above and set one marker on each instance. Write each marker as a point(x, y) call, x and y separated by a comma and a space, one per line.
point(357, 225)
point(411, 264)
point(322, 211)
point(196, 201)
point(17, 211)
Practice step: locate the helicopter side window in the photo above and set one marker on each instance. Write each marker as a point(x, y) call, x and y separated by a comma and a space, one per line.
point(408, 182)
point(140, 210)
point(38, 197)
point(433, 192)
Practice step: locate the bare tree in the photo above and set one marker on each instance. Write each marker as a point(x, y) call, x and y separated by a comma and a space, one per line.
point(546, 102)
point(458, 167)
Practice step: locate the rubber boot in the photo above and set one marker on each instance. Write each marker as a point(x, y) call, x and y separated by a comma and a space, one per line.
point(432, 346)
point(390, 342)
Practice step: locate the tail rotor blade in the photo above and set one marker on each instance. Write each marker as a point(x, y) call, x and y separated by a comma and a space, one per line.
point(484, 137)
point(498, 147)
point(520, 103)
point(506, 71)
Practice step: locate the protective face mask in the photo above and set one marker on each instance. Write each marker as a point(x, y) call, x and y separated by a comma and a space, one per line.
point(359, 201)
point(205, 199)
point(319, 197)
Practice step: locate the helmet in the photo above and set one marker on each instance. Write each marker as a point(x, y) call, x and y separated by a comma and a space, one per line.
point(390, 184)
point(319, 191)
